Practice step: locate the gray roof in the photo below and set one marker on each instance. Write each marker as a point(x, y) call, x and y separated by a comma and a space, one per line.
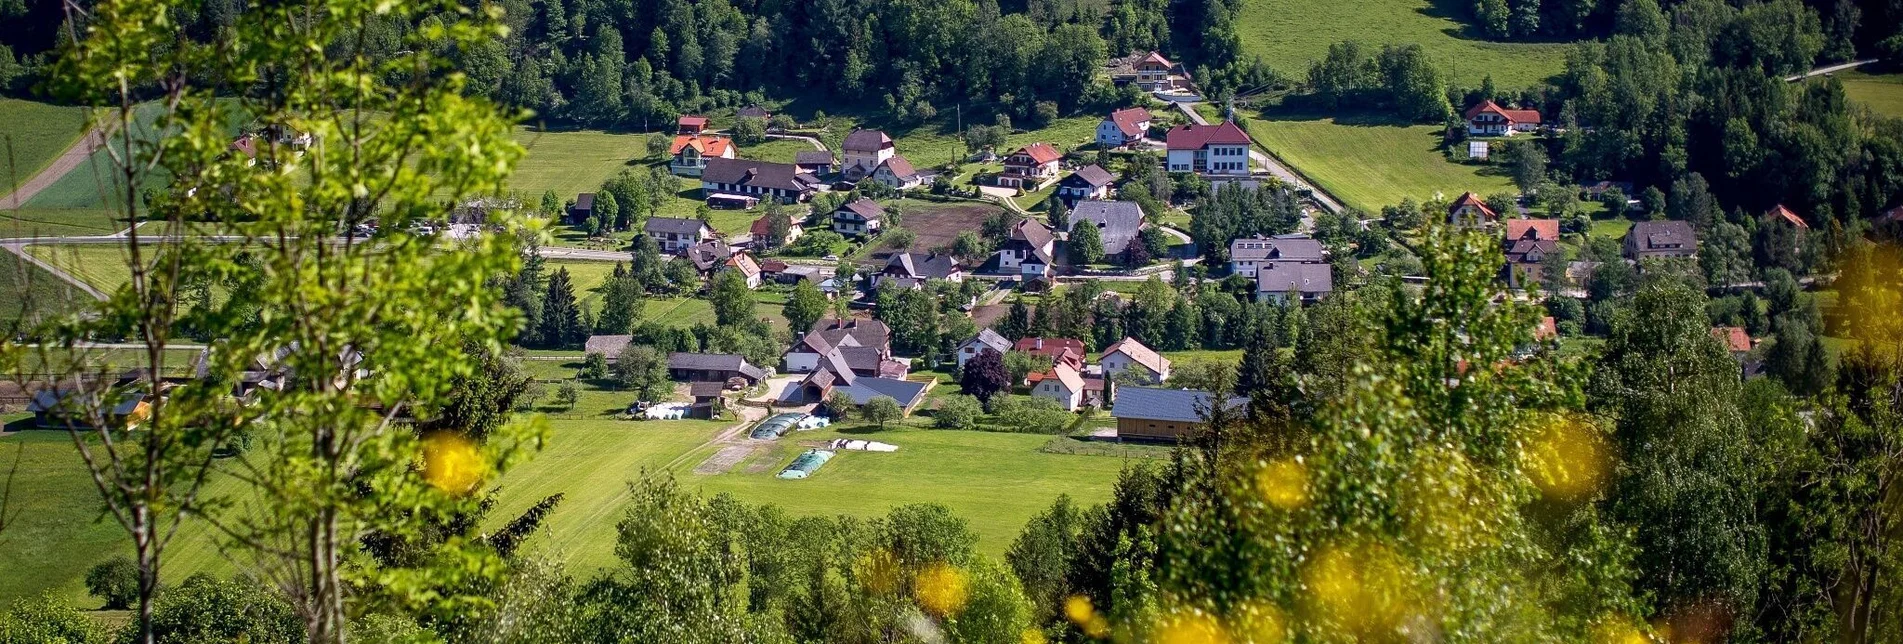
point(75, 402)
point(1179, 405)
point(1117, 220)
point(1663, 236)
point(813, 157)
point(709, 255)
point(1281, 277)
point(863, 390)
point(1091, 176)
point(866, 208)
point(608, 346)
point(763, 174)
point(714, 362)
point(922, 266)
point(585, 201)
point(675, 225)
point(990, 338)
point(866, 141)
point(1287, 249)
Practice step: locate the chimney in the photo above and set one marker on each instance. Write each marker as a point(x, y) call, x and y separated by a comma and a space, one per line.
point(1038, 344)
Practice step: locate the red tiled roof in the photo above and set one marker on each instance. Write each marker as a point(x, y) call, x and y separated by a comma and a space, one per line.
point(1196, 137)
point(1040, 153)
point(1781, 212)
point(688, 120)
point(763, 227)
point(1058, 349)
point(1548, 329)
point(1471, 199)
point(1512, 116)
point(1734, 338)
point(712, 145)
point(1130, 120)
point(1156, 58)
point(1539, 229)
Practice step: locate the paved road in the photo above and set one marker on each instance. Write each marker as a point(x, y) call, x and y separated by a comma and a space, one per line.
point(1277, 169)
point(1831, 69)
point(74, 156)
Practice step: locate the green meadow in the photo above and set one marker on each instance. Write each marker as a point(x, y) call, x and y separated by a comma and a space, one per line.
point(1291, 34)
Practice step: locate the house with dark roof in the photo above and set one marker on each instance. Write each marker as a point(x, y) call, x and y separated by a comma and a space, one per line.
point(863, 151)
point(757, 179)
point(582, 209)
point(831, 378)
point(1528, 243)
point(1130, 355)
point(896, 173)
point(860, 218)
point(1060, 350)
point(1088, 182)
point(709, 255)
point(690, 124)
point(1248, 253)
point(86, 407)
point(1123, 127)
point(753, 112)
point(867, 344)
point(1154, 414)
point(919, 269)
point(677, 234)
point(1212, 149)
point(1310, 282)
point(691, 152)
point(1490, 119)
point(1117, 222)
point(1030, 166)
point(985, 339)
point(1470, 210)
point(712, 367)
point(609, 346)
point(1028, 250)
point(1660, 239)
point(818, 163)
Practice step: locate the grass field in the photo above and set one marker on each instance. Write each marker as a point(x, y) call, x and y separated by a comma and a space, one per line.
point(31, 294)
point(1290, 34)
point(32, 135)
point(1883, 94)
point(677, 311)
point(91, 186)
point(776, 150)
point(1371, 162)
point(58, 222)
point(573, 162)
point(101, 265)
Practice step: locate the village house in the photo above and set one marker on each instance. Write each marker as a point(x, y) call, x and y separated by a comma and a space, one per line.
point(1130, 355)
point(1247, 253)
point(1737, 340)
point(749, 269)
point(1118, 222)
point(1209, 149)
point(897, 173)
point(912, 270)
point(753, 112)
point(713, 367)
point(1470, 210)
point(1088, 182)
point(762, 232)
point(1124, 127)
point(818, 163)
point(1154, 414)
point(863, 151)
point(691, 152)
point(985, 339)
point(1156, 73)
point(1274, 282)
point(1027, 250)
point(1490, 119)
point(860, 218)
point(865, 345)
point(739, 179)
point(1783, 215)
point(690, 124)
point(833, 375)
point(1059, 350)
point(1062, 384)
point(1030, 166)
point(582, 209)
point(1660, 239)
point(1528, 242)
point(677, 234)
point(78, 408)
point(707, 399)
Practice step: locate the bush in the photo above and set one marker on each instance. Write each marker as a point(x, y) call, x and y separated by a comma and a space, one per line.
point(1031, 415)
point(957, 412)
point(116, 580)
point(595, 366)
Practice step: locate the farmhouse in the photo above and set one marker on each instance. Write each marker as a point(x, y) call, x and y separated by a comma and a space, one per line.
point(1147, 413)
point(1155, 73)
point(1059, 350)
point(1211, 149)
point(677, 234)
point(814, 162)
point(1528, 242)
point(1088, 182)
point(896, 173)
point(758, 179)
point(1470, 210)
point(1274, 281)
point(1117, 221)
point(690, 124)
point(1660, 239)
point(1030, 166)
point(1027, 251)
point(753, 112)
point(859, 218)
point(762, 232)
point(1737, 340)
point(1130, 355)
point(865, 344)
point(915, 269)
point(1124, 127)
point(864, 150)
point(1490, 119)
point(73, 408)
point(749, 269)
point(691, 152)
point(1062, 384)
point(1245, 254)
point(985, 339)
point(582, 209)
point(832, 375)
point(712, 367)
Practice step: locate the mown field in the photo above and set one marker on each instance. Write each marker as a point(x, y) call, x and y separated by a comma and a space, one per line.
point(1370, 162)
point(101, 265)
point(1290, 34)
point(32, 135)
point(29, 293)
point(1883, 93)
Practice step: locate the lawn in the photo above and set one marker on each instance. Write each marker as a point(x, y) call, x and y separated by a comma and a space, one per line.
point(101, 265)
point(32, 135)
point(31, 294)
point(1290, 34)
point(776, 150)
point(573, 162)
point(1370, 162)
point(1883, 94)
point(58, 222)
point(676, 311)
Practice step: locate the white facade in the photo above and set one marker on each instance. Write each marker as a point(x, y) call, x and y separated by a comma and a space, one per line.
point(801, 362)
point(1212, 159)
point(1053, 388)
point(860, 163)
point(1117, 362)
point(1109, 135)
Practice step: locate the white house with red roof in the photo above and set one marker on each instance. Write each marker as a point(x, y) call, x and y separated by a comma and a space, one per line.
point(1211, 149)
point(1490, 119)
point(1030, 166)
point(1471, 210)
point(691, 152)
point(1124, 127)
point(1154, 72)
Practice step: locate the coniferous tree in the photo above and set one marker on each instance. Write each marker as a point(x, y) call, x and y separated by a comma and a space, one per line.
point(561, 326)
point(1016, 323)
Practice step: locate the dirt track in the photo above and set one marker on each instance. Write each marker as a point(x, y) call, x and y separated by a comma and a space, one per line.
point(74, 157)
